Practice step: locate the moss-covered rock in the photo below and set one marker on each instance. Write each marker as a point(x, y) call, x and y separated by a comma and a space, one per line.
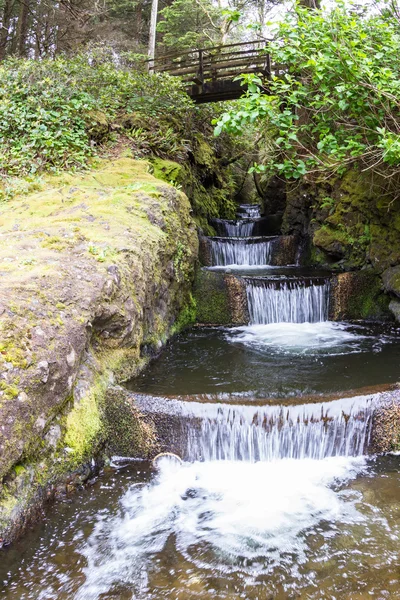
point(358, 295)
point(168, 170)
point(127, 432)
point(352, 220)
point(211, 296)
point(96, 273)
point(220, 299)
point(394, 307)
point(391, 280)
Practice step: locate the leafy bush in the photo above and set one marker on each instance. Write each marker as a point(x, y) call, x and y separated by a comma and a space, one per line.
point(50, 110)
point(335, 100)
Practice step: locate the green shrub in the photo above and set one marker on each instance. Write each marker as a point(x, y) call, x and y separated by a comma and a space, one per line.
point(334, 102)
point(50, 111)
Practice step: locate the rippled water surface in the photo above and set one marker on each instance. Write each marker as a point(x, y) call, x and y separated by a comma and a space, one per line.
point(282, 529)
point(276, 360)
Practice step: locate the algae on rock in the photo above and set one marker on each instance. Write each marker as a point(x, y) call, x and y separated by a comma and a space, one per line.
point(96, 274)
point(352, 220)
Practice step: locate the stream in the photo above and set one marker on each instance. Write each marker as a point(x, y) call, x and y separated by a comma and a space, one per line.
point(276, 496)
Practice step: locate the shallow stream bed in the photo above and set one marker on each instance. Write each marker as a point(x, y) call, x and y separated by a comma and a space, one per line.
point(282, 530)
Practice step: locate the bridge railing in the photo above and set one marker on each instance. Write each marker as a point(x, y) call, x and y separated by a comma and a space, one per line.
point(218, 62)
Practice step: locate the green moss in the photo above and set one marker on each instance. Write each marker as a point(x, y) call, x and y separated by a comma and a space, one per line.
point(187, 316)
point(10, 391)
point(358, 296)
point(167, 170)
point(203, 152)
point(126, 431)
point(355, 218)
point(84, 424)
point(211, 297)
point(11, 353)
point(182, 262)
point(19, 470)
point(55, 243)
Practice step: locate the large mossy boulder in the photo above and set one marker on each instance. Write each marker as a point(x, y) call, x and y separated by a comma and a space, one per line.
point(391, 284)
point(391, 280)
point(96, 270)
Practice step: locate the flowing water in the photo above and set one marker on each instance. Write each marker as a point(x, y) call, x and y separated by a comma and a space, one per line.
point(209, 431)
point(241, 251)
point(237, 228)
point(288, 301)
point(275, 497)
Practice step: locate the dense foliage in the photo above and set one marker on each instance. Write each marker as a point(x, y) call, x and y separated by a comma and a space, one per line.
point(54, 111)
point(334, 101)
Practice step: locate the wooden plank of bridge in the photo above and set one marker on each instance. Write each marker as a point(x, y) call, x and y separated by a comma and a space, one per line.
point(208, 66)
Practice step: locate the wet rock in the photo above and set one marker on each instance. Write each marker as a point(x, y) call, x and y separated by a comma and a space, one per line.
point(128, 434)
point(391, 280)
point(386, 424)
point(191, 493)
point(394, 306)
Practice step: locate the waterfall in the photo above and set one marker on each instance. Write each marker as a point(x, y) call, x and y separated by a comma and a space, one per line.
point(249, 210)
point(295, 301)
point(239, 228)
point(205, 431)
point(231, 251)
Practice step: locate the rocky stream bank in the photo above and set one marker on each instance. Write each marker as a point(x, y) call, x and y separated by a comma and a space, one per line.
point(95, 275)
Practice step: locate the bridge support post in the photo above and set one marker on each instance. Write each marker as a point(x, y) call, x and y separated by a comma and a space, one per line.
point(199, 78)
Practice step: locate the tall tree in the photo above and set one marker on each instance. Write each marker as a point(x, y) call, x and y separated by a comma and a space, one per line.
point(7, 14)
point(22, 29)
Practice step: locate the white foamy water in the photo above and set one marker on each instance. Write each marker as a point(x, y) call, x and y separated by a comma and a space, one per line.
point(287, 302)
point(304, 338)
point(249, 210)
point(228, 517)
point(238, 251)
point(209, 432)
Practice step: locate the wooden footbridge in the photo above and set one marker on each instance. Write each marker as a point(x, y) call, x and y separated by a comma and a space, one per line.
point(210, 72)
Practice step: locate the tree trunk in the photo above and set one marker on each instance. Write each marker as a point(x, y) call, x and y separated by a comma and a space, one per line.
point(311, 3)
point(5, 24)
point(152, 34)
point(22, 30)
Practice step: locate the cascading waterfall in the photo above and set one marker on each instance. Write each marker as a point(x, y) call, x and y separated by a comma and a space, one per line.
point(239, 228)
point(295, 301)
point(262, 503)
point(251, 211)
point(205, 431)
point(231, 251)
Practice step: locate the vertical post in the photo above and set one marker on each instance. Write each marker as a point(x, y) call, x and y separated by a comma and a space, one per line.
point(199, 77)
point(152, 35)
